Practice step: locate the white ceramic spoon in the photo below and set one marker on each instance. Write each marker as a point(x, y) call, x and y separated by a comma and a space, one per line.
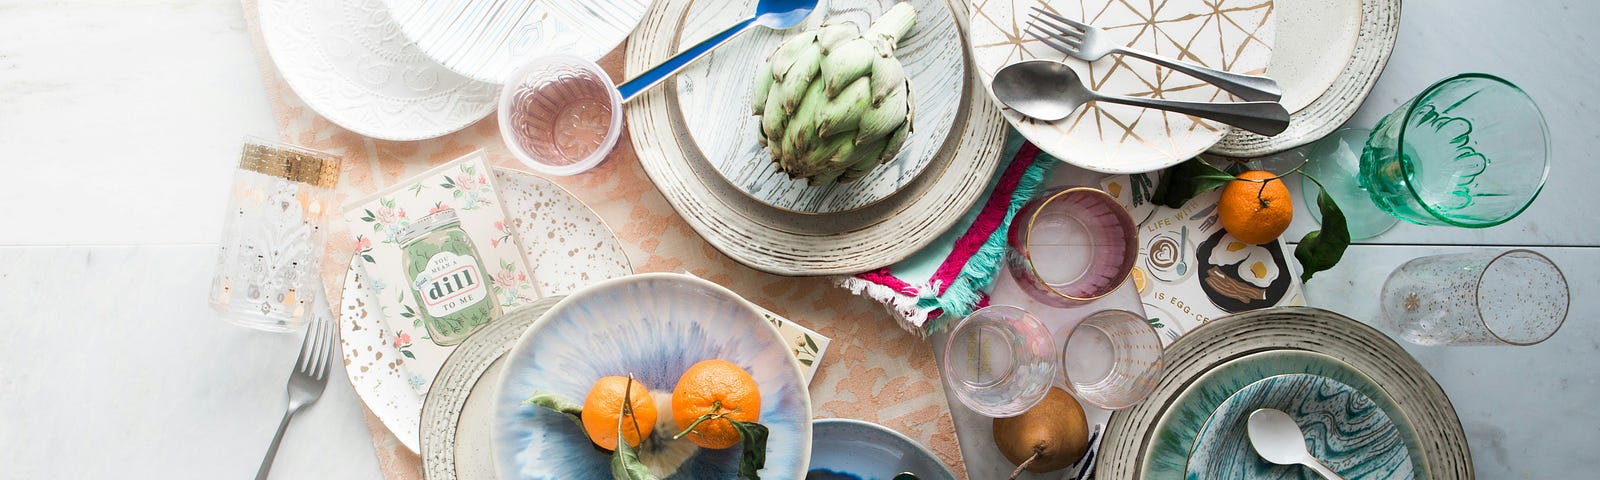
point(1279, 440)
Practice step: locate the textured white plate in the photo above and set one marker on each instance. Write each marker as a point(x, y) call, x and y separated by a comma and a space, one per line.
point(788, 243)
point(714, 94)
point(488, 39)
point(1327, 55)
point(567, 247)
point(347, 60)
point(460, 406)
point(1231, 35)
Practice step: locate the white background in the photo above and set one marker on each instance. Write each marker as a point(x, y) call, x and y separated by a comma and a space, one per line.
point(120, 121)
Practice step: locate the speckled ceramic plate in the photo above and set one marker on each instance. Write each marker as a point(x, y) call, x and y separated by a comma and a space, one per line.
point(1132, 434)
point(1343, 429)
point(347, 60)
point(843, 448)
point(567, 246)
point(714, 96)
point(460, 405)
point(1230, 35)
point(652, 326)
point(1326, 56)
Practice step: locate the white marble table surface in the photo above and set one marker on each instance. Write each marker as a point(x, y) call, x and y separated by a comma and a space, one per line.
point(119, 122)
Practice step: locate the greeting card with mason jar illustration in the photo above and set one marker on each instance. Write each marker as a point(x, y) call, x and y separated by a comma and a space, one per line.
point(440, 258)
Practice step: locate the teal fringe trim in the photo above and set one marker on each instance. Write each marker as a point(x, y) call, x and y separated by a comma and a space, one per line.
point(967, 289)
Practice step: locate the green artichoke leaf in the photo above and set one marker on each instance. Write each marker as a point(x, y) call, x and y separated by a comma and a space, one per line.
point(758, 97)
point(794, 87)
point(831, 35)
point(843, 113)
point(846, 63)
point(895, 23)
point(788, 53)
point(879, 121)
point(888, 75)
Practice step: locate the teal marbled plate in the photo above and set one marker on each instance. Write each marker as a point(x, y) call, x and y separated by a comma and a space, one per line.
point(1343, 428)
point(1167, 456)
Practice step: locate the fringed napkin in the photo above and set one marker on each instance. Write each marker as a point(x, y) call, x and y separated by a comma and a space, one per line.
point(947, 279)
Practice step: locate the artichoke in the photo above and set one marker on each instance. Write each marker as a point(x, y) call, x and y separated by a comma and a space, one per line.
point(835, 102)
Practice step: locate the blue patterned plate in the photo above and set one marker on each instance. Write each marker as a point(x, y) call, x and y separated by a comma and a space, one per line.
point(1344, 429)
point(853, 449)
point(1176, 431)
point(654, 326)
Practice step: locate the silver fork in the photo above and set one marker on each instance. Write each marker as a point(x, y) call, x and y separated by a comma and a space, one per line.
point(310, 375)
point(1089, 43)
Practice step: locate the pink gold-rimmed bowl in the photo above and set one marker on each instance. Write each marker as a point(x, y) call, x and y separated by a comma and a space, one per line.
point(1072, 246)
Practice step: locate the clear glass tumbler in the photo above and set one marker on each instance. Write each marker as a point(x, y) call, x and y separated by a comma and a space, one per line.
point(1071, 246)
point(272, 240)
point(1112, 359)
point(999, 361)
point(1517, 297)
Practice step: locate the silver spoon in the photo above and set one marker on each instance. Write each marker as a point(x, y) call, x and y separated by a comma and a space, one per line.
point(1279, 440)
point(906, 476)
point(1049, 90)
point(1183, 258)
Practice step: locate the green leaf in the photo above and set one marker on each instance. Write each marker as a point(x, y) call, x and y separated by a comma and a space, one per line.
point(625, 464)
point(457, 194)
point(754, 437)
point(809, 343)
point(1321, 250)
point(1186, 180)
point(805, 361)
point(408, 354)
point(573, 410)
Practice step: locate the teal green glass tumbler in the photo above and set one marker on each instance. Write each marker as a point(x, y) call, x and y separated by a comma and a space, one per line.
point(1470, 151)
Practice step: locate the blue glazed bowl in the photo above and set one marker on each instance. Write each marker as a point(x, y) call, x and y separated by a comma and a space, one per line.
point(845, 448)
point(653, 326)
point(1343, 428)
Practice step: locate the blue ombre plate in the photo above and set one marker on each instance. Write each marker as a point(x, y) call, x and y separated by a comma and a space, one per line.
point(1175, 433)
point(854, 449)
point(653, 326)
point(1343, 428)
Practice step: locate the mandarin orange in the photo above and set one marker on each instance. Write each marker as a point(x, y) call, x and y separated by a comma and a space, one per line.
point(718, 389)
point(602, 412)
point(1256, 209)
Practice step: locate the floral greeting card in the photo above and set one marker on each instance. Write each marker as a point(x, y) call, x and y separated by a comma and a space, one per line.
point(441, 260)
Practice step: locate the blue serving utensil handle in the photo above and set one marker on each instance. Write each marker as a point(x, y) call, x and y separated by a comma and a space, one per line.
point(670, 67)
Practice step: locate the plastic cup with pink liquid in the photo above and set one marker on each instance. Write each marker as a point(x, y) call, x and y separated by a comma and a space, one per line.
point(560, 115)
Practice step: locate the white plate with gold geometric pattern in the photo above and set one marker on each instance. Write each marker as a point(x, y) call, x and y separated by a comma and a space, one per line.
point(1230, 35)
point(567, 247)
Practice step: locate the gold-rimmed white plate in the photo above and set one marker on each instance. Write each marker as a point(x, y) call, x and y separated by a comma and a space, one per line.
point(1229, 35)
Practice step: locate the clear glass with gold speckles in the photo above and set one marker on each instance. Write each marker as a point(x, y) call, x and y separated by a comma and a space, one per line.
point(1517, 297)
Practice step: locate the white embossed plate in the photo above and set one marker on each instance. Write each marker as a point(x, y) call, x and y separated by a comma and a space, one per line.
point(567, 247)
point(488, 39)
point(347, 60)
point(1231, 35)
point(714, 95)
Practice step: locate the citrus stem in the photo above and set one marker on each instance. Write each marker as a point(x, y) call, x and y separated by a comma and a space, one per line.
point(1036, 452)
point(627, 410)
point(715, 406)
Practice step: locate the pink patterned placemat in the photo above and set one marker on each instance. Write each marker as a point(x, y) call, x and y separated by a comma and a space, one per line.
point(874, 371)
